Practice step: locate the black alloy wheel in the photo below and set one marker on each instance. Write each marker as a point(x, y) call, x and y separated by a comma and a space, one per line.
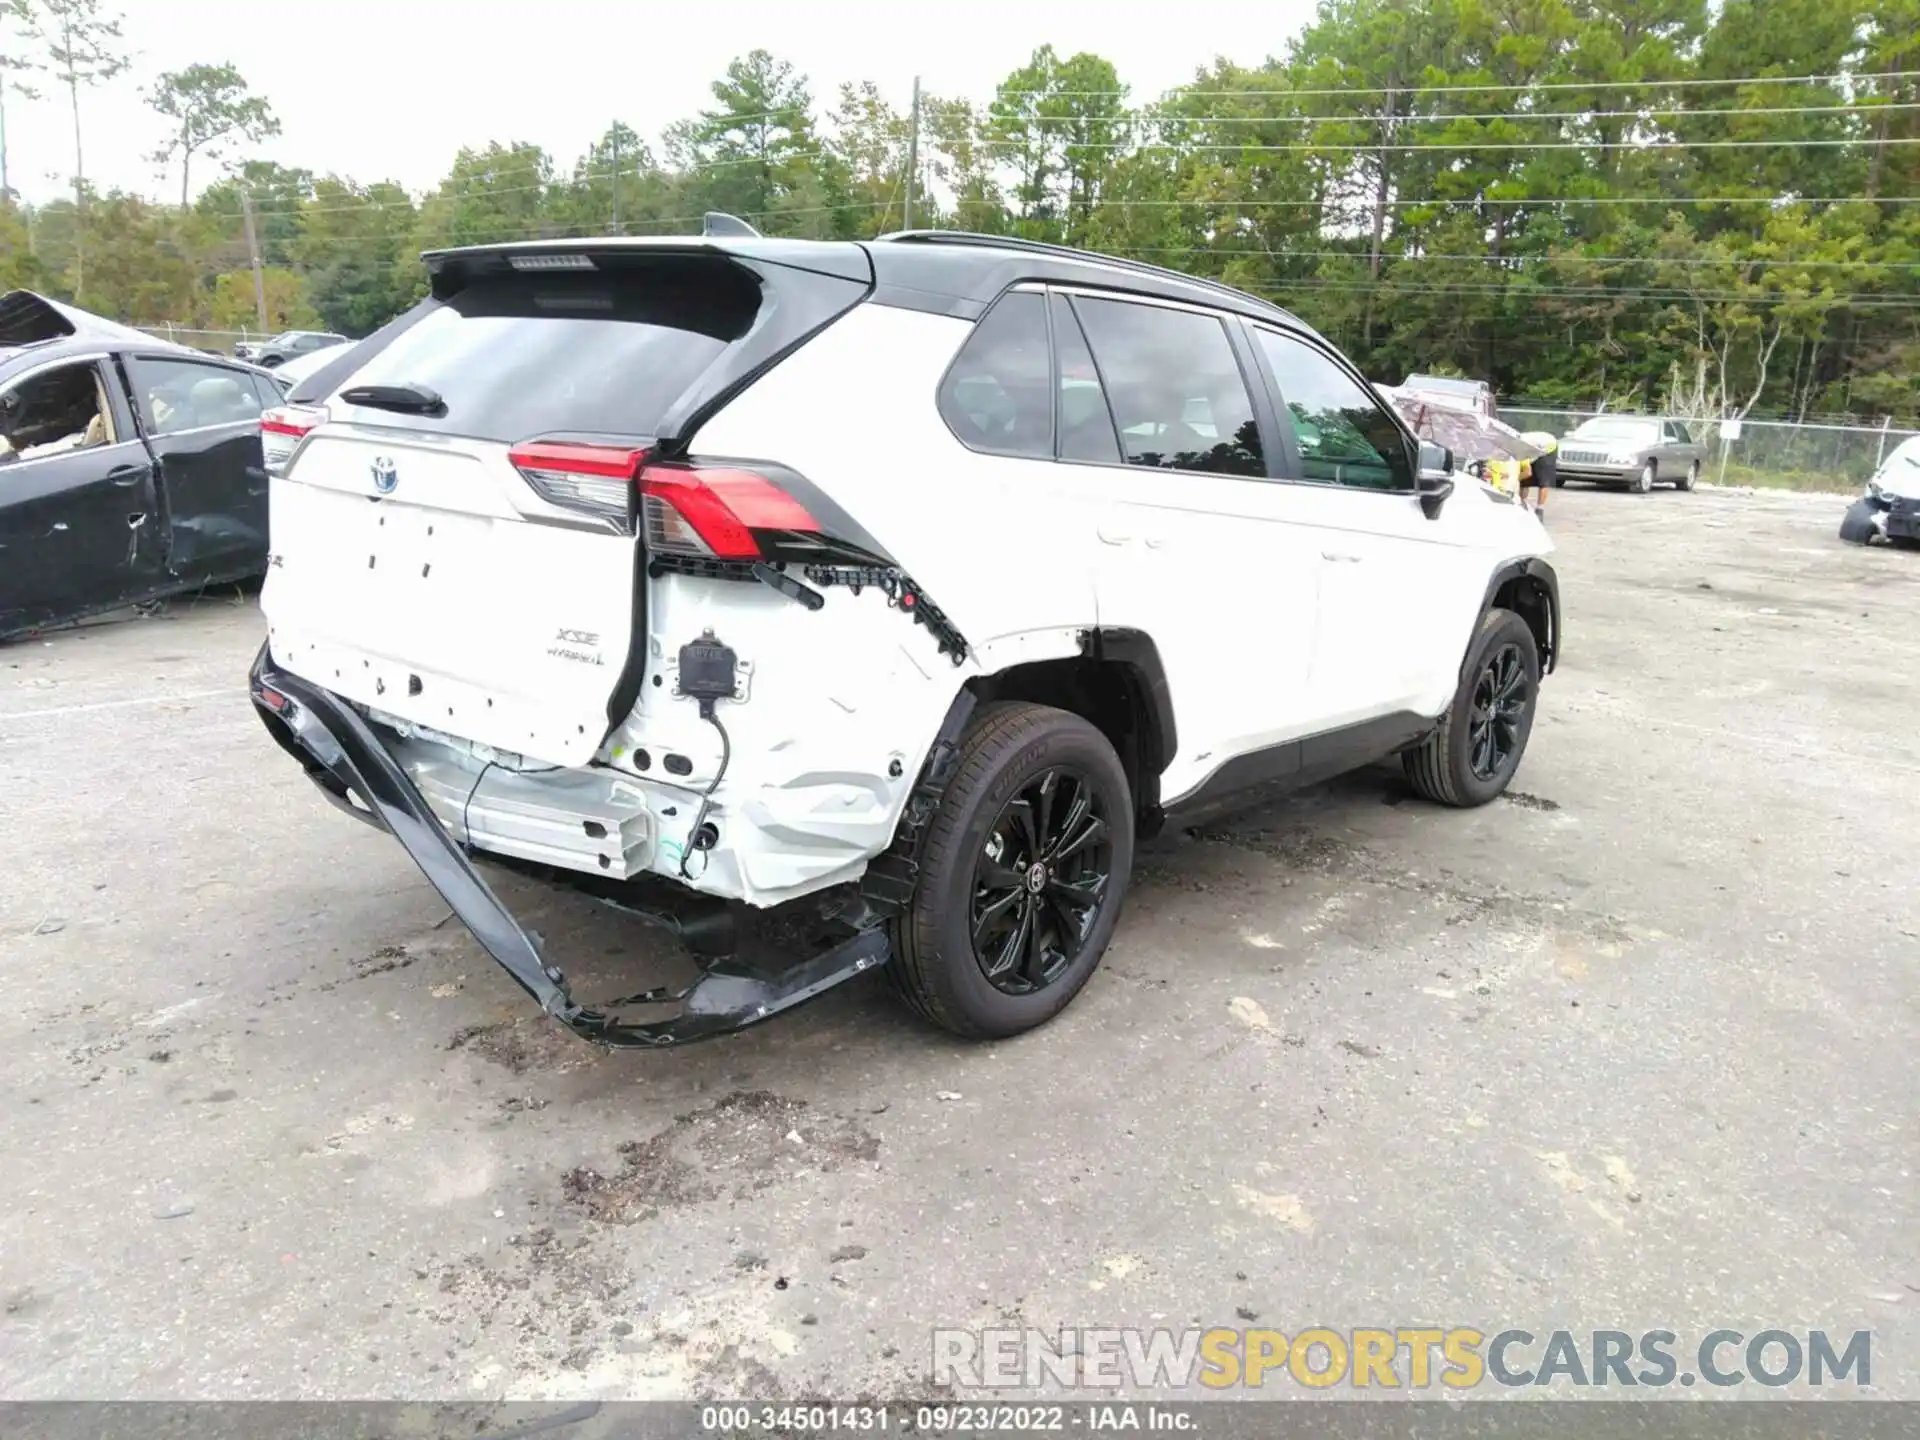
point(1501, 694)
point(1039, 881)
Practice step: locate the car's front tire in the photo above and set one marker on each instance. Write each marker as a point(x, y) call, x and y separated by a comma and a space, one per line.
point(1021, 876)
point(1643, 482)
point(1472, 756)
point(1856, 526)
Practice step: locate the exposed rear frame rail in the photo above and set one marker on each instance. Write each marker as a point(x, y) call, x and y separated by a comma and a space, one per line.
point(345, 757)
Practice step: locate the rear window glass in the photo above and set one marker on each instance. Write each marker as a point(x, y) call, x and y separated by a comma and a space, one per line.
point(604, 354)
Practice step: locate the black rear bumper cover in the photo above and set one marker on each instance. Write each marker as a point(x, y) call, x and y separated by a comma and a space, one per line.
point(346, 759)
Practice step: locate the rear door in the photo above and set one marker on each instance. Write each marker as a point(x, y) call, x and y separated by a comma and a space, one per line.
point(1196, 549)
point(202, 421)
point(78, 531)
point(454, 528)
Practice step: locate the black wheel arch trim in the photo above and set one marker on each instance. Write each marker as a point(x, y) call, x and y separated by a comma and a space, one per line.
point(1134, 650)
point(1540, 572)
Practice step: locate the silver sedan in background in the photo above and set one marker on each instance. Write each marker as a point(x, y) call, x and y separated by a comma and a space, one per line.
point(1632, 450)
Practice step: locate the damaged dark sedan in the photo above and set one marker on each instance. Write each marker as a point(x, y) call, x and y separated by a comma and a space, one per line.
point(130, 468)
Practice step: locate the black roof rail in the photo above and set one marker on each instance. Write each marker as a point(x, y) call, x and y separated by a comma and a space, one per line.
point(718, 222)
point(1068, 252)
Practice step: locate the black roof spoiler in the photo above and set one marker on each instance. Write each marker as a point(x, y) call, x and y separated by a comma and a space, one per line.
point(1067, 252)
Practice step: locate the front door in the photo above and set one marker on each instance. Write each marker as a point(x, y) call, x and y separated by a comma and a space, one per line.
point(78, 508)
point(1395, 592)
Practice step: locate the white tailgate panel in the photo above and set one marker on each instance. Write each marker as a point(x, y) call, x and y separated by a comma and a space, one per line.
point(444, 604)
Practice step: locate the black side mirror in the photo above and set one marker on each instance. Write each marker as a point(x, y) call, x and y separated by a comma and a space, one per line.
point(1435, 481)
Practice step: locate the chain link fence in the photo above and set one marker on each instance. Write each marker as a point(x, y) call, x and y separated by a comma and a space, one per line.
point(217, 342)
point(1778, 454)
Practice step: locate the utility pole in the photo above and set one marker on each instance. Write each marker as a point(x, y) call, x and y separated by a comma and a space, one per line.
point(253, 254)
point(616, 178)
point(913, 154)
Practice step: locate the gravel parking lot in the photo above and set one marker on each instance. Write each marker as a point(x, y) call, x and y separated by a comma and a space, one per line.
point(1631, 1048)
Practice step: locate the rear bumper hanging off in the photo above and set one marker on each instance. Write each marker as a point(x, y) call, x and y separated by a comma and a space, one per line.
point(344, 757)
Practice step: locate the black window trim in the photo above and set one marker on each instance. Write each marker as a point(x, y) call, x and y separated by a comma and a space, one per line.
point(1259, 399)
point(131, 360)
point(107, 373)
point(1298, 476)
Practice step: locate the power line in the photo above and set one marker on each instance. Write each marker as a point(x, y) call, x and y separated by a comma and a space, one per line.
point(1856, 77)
point(1143, 118)
point(1730, 263)
point(1532, 291)
point(1475, 145)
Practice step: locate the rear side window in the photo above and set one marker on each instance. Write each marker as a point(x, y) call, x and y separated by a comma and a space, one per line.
point(1086, 424)
point(179, 395)
point(609, 353)
point(998, 394)
point(1176, 390)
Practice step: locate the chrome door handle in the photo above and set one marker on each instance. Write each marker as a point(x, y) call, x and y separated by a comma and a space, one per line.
point(1112, 536)
point(1338, 558)
point(125, 476)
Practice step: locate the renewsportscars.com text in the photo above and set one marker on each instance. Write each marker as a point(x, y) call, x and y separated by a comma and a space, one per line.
point(1412, 1358)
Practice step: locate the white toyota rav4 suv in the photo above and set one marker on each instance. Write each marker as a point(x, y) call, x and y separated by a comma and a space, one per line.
point(846, 605)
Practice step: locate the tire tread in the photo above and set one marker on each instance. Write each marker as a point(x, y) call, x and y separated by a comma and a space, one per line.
point(995, 730)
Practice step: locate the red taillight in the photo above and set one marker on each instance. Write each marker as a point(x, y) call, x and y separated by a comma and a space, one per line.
point(706, 511)
point(714, 510)
point(597, 479)
point(281, 431)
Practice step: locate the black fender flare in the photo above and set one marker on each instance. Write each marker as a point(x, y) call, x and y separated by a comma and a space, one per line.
point(1134, 650)
point(1857, 526)
point(1541, 573)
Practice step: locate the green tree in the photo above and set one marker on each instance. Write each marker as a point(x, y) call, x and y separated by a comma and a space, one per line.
point(490, 195)
point(755, 154)
point(357, 253)
point(82, 44)
point(16, 23)
point(211, 109)
point(231, 305)
point(20, 268)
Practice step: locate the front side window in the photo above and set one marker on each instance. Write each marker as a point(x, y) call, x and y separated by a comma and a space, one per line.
point(1345, 437)
point(54, 412)
point(1176, 390)
point(998, 395)
point(177, 395)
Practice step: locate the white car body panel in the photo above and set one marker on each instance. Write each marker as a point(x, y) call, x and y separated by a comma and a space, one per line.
point(1899, 473)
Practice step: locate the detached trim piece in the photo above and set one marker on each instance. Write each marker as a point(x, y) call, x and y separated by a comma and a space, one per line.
point(345, 753)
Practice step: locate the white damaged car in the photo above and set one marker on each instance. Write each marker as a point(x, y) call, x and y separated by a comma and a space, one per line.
point(1890, 508)
point(851, 605)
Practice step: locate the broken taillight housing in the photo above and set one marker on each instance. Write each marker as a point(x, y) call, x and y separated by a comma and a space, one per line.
point(712, 511)
point(281, 431)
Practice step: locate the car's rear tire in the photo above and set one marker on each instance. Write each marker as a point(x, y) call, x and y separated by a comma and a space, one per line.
point(1690, 479)
point(1643, 482)
point(1474, 753)
point(1856, 526)
point(1021, 875)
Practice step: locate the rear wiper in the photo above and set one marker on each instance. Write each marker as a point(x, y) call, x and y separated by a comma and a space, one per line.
point(407, 399)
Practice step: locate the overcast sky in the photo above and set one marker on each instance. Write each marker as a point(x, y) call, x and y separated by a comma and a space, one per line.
point(390, 89)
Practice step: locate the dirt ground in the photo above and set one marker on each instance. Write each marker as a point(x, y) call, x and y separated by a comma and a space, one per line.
point(1632, 1048)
